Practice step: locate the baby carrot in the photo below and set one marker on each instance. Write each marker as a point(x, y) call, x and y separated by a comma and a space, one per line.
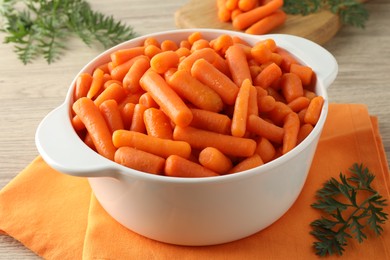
point(157, 123)
point(219, 82)
point(248, 163)
point(183, 52)
point(114, 91)
point(163, 61)
point(94, 122)
point(132, 77)
point(96, 84)
point(222, 43)
point(111, 115)
point(280, 111)
point(261, 53)
point(299, 103)
point(151, 51)
point(224, 14)
point(151, 41)
point(291, 128)
point(137, 122)
point(304, 131)
point(195, 91)
point(127, 112)
point(123, 55)
point(291, 86)
point(206, 53)
point(210, 121)
point(287, 59)
point(155, 145)
point(83, 83)
point(240, 113)
point(265, 149)
point(109, 82)
point(200, 44)
point(229, 145)
point(168, 45)
point(266, 103)
point(246, 19)
point(247, 5)
point(265, 129)
point(215, 160)
point(120, 71)
point(147, 101)
point(268, 75)
point(193, 37)
point(305, 73)
point(172, 105)
point(253, 107)
point(139, 160)
point(238, 65)
point(313, 111)
point(268, 23)
point(176, 166)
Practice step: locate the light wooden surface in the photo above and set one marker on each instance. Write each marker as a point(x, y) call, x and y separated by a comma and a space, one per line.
point(28, 93)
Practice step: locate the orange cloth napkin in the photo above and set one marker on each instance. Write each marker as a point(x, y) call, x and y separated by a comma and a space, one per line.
point(58, 217)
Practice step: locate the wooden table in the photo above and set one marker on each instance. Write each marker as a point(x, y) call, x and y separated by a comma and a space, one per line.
point(28, 93)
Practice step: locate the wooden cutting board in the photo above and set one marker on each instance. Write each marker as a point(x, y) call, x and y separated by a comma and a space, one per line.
point(319, 27)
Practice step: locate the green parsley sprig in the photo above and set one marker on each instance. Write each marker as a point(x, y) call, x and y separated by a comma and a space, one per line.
point(352, 207)
point(351, 12)
point(42, 27)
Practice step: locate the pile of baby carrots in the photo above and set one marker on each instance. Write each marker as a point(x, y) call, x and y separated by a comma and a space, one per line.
point(197, 107)
point(252, 16)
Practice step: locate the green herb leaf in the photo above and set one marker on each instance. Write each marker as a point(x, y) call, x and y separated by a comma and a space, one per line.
point(42, 27)
point(351, 208)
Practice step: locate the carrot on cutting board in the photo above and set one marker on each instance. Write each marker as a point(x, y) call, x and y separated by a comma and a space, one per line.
point(139, 160)
point(158, 146)
point(195, 91)
point(172, 105)
point(215, 160)
point(229, 145)
point(268, 23)
point(246, 19)
point(96, 126)
point(216, 80)
point(157, 123)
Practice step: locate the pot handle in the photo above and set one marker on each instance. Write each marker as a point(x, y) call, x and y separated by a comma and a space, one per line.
point(63, 150)
point(321, 60)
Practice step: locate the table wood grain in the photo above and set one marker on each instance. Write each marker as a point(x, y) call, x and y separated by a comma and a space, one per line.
point(28, 93)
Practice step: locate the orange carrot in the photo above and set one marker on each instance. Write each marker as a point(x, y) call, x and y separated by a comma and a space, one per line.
point(200, 44)
point(309, 94)
point(215, 160)
point(268, 23)
point(224, 14)
point(132, 77)
point(248, 163)
point(305, 73)
point(183, 52)
point(94, 122)
point(253, 108)
point(114, 91)
point(299, 103)
point(151, 51)
point(246, 19)
point(291, 128)
point(222, 43)
point(231, 4)
point(206, 53)
point(147, 101)
point(287, 59)
point(195, 91)
point(247, 5)
point(265, 149)
point(111, 115)
point(266, 103)
point(238, 65)
point(109, 82)
point(88, 141)
point(193, 37)
point(240, 113)
point(169, 73)
point(96, 84)
point(268, 75)
point(168, 45)
point(140, 160)
point(158, 146)
point(229, 145)
point(83, 83)
point(265, 129)
point(261, 53)
point(120, 71)
point(304, 131)
point(279, 112)
point(157, 123)
point(124, 55)
point(163, 61)
point(151, 41)
point(176, 166)
point(219, 82)
point(210, 121)
point(313, 111)
point(127, 112)
point(172, 105)
point(291, 86)
point(137, 122)
point(234, 13)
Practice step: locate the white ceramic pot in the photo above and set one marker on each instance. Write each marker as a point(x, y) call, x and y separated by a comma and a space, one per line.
point(190, 211)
